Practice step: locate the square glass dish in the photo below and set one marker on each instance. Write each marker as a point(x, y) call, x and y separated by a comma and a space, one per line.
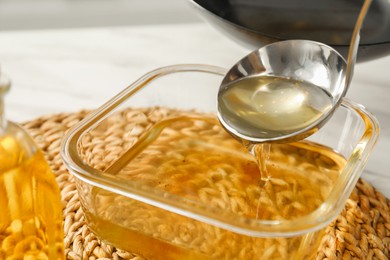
point(158, 176)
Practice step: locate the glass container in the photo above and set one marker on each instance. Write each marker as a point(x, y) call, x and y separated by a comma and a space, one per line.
point(30, 204)
point(158, 176)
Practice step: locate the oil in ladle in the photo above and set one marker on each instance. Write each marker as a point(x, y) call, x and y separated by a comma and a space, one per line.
point(269, 107)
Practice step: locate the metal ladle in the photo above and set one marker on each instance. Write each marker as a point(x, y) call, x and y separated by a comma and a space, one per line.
point(262, 110)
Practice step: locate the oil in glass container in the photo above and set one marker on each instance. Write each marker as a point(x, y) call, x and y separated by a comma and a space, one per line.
point(30, 204)
point(190, 156)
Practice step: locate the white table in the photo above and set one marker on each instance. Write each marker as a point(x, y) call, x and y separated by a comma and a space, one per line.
point(71, 69)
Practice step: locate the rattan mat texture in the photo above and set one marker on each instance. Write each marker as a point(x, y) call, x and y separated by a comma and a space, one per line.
point(362, 231)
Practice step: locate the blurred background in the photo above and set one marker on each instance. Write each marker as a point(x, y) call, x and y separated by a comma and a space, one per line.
point(51, 14)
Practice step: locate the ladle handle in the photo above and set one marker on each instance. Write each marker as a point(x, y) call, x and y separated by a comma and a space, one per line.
point(354, 45)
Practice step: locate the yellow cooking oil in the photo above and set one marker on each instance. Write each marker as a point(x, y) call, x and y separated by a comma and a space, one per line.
point(268, 106)
point(30, 206)
point(203, 165)
point(31, 210)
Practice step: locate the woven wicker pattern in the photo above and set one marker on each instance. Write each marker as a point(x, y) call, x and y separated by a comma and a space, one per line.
point(362, 231)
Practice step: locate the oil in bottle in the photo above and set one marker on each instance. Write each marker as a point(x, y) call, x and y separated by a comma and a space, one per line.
point(30, 204)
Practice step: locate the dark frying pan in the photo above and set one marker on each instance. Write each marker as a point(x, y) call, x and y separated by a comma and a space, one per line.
point(255, 23)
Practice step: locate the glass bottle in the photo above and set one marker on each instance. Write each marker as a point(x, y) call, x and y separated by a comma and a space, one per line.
point(30, 205)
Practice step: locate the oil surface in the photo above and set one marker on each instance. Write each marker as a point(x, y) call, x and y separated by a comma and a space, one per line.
point(30, 207)
point(195, 160)
point(268, 107)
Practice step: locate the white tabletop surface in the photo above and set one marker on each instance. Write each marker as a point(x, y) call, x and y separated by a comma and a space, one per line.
point(71, 69)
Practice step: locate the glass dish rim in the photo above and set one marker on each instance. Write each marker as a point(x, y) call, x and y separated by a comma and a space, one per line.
point(257, 228)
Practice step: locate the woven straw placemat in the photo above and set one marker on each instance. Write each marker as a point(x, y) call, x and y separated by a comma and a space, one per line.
point(362, 231)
